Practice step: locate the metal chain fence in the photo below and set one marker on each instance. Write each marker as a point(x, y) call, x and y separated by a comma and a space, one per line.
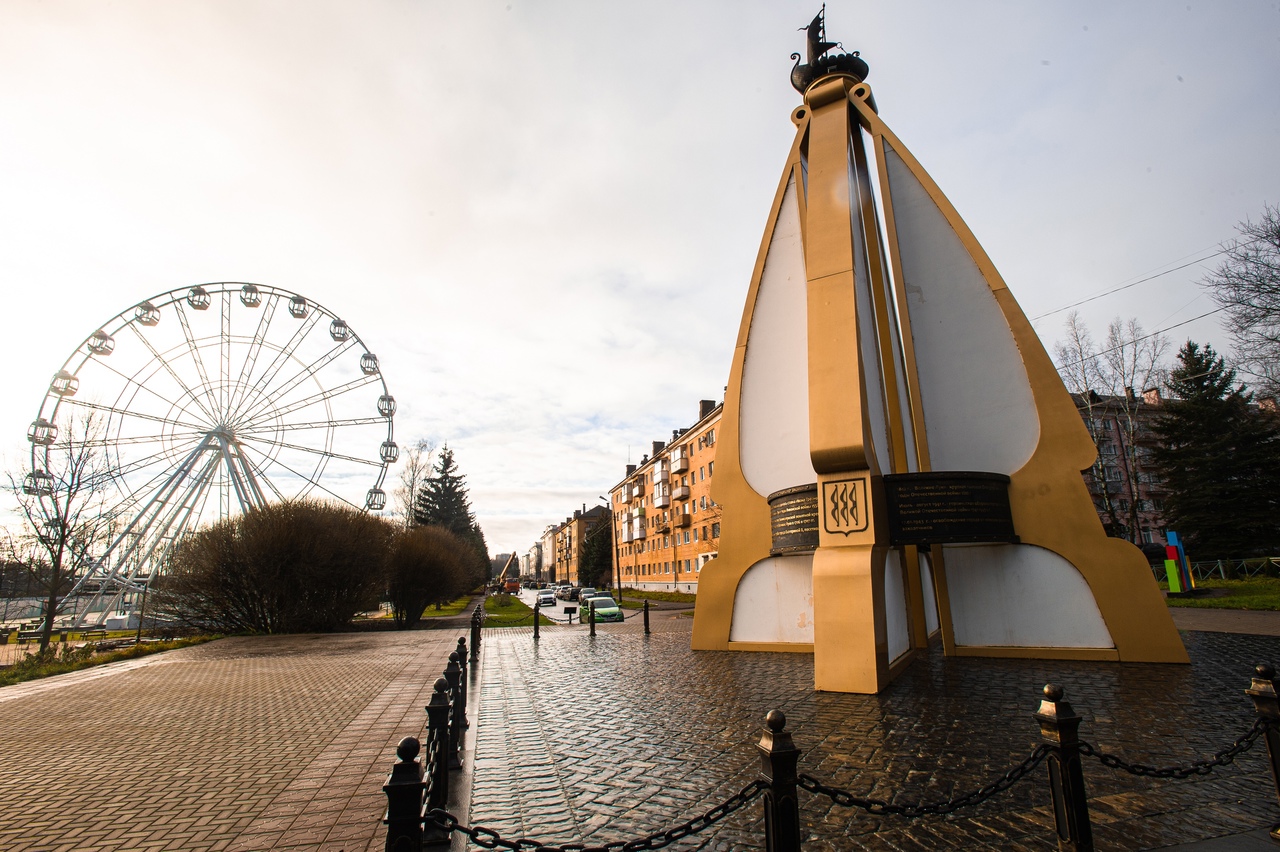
point(949, 806)
point(489, 839)
point(1201, 767)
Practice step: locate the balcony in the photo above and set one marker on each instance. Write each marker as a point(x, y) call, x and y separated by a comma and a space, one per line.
point(627, 536)
point(637, 530)
point(637, 514)
point(625, 495)
point(661, 473)
point(679, 463)
point(661, 499)
point(680, 492)
point(681, 520)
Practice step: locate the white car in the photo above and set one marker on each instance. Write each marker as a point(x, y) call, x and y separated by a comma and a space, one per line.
point(546, 598)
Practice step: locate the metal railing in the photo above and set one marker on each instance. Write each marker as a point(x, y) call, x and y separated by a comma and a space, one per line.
point(416, 817)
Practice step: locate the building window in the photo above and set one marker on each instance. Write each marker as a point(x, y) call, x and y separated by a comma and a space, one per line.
point(702, 473)
point(711, 468)
point(715, 530)
point(695, 534)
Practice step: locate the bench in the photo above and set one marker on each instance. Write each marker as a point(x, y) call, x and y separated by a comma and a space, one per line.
point(96, 633)
point(25, 636)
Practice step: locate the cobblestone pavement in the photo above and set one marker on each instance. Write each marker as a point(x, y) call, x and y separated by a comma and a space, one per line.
point(276, 742)
point(587, 740)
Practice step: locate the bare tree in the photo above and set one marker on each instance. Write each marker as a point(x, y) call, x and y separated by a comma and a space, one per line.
point(1134, 363)
point(415, 467)
point(1247, 285)
point(63, 511)
point(1079, 366)
point(1110, 382)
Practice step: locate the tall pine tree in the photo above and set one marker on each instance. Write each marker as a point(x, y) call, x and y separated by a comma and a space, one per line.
point(1219, 456)
point(442, 501)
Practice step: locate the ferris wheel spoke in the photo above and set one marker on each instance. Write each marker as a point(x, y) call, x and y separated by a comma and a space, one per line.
point(195, 352)
point(158, 497)
point(129, 380)
point(267, 427)
point(303, 476)
point(326, 453)
point(107, 409)
point(270, 395)
point(143, 439)
point(314, 399)
point(161, 525)
point(168, 368)
point(146, 461)
point(135, 495)
point(255, 348)
point(282, 355)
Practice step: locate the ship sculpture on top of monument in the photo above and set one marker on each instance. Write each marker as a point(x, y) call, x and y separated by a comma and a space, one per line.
point(898, 458)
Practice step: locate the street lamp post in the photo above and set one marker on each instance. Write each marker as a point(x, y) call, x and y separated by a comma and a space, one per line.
point(617, 555)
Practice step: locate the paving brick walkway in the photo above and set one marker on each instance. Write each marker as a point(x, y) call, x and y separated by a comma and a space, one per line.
point(597, 740)
point(277, 742)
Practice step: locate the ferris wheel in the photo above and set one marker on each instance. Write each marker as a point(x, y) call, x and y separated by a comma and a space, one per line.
point(209, 401)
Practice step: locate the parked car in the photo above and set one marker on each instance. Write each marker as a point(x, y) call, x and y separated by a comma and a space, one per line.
point(607, 608)
point(546, 599)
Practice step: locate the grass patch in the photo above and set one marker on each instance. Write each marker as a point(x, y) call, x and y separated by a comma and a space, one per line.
point(509, 611)
point(60, 659)
point(1255, 593)
point(634, 598)
point(452, 608)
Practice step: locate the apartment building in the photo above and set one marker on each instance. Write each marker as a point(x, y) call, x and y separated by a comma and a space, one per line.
point(531, 564)
point(570, 540)
point(547, 545)
point(665, 524)
point(1127, 493)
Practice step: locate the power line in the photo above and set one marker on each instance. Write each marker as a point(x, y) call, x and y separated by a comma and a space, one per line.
point(1137, 339)
point(1104, 293)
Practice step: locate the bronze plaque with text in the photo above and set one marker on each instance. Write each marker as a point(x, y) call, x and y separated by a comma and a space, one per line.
point(948, 507)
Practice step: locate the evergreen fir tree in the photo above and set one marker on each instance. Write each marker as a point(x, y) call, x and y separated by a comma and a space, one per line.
point(1219, 456)
point(442, 501)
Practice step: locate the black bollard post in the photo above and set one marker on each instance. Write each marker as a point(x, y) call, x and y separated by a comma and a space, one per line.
point(778, 759)
point(646, 616)
point(437, 761)
point(1059, 726)
point(591, 616)
point(404, 799)
point(462, 681)
point(1266, 702)
point(537, 616)
point(453, 750)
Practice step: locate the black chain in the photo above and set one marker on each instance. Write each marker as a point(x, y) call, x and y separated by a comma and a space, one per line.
point(1201, 767)
point(487, 838)
point(879, 806)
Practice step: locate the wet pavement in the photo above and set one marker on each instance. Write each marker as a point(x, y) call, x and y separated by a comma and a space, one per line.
point(247, 743)
point(585, 740)
point(283, 742)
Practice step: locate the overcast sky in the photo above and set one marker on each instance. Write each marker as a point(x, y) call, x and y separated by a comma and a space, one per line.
point(543, 216)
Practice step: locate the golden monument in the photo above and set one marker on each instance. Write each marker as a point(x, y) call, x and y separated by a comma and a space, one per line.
point(898, 457)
